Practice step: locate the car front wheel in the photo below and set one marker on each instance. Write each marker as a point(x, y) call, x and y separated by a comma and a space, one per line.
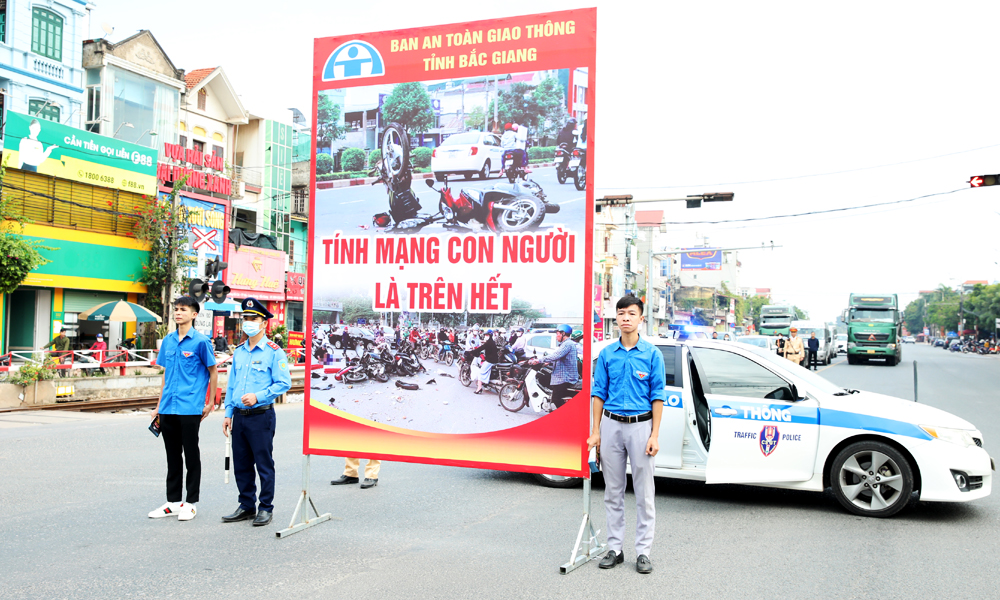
point(872, 479)
point(558, 481)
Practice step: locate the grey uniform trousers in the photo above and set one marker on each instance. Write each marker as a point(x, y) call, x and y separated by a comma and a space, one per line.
point(621, 441)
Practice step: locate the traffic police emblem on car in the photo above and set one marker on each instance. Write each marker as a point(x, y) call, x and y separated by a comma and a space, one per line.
point(768, 439)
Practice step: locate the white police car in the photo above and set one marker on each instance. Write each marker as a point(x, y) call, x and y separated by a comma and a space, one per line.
point(735, 413)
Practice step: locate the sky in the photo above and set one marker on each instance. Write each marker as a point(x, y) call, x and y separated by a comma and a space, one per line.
point(793, 106)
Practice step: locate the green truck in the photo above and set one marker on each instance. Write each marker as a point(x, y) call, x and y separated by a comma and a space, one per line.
point(776, 319)
point(874, 328)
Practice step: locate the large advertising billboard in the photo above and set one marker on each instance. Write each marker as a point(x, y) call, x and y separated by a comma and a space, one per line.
point(41, 146)
point(707, 259)
point(469, 227)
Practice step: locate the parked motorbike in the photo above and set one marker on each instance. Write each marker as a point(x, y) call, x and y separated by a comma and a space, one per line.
point(499, 210)
point(580, 173)
point(530, 384)
point(498, 374)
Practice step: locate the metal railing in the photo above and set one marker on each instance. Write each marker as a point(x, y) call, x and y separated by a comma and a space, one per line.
point(48, 68)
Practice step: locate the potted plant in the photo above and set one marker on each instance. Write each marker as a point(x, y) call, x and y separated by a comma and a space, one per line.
point(35, 381)
point(161, 332)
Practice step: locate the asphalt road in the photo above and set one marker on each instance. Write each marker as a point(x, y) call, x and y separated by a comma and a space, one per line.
point(350, 209)
point(76, 490)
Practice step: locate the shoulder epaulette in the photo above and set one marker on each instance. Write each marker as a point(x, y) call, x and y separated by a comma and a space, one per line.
point(273, 346)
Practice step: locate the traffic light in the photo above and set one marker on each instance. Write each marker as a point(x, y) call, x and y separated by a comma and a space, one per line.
point(696, 200)
point(219, 291)
point(198, 290)
point(214, 267)
point(984, 180)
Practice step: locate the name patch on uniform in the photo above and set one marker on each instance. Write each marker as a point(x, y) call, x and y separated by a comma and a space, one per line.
point(769, 437)
point(641, 374)
point(187, 354)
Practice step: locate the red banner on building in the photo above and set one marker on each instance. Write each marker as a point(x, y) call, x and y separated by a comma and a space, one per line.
point(500, 251)
point(295, 286)
point(257, 272)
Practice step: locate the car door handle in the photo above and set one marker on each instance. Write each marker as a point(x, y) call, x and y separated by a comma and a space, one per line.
point(724, 411)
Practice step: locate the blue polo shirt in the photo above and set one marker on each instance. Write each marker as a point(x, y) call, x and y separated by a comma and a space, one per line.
point(185, 376)
point(629, 381)
point(261, 370)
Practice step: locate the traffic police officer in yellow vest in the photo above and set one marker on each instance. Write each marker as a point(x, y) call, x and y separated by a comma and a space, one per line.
point(259, 375)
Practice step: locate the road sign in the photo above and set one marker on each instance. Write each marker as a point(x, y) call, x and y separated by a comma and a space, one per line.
point(984, 180)
point(998, 324)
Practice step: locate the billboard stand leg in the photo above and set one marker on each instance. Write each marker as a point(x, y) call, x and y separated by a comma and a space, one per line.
point(586, 548)
point(302, 508)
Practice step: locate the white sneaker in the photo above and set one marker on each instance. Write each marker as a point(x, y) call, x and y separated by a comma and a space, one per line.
point(187, 512)
point(170, 509)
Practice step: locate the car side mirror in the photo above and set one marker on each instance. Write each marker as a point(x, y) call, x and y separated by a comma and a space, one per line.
point(795, 392)
point(429, 182)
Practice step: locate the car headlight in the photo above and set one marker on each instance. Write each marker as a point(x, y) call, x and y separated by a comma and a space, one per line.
point(851, 344)
point(946, 434)
point(891, 346)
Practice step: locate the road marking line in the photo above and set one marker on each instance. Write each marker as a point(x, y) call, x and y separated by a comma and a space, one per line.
point(353, 201)
point(573, 200)
point(830, 366)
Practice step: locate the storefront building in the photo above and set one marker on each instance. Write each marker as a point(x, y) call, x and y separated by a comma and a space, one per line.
point(84, 194)
point(259, 273)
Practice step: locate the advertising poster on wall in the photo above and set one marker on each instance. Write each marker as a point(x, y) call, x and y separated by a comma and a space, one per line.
point(707, 259)
point(469, 227)
point(41, 146)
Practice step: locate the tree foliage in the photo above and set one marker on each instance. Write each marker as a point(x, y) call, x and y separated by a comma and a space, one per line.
point(800, 315)
point(409, 104)
point(164, 227)
point(542, 107)
point(476, 118)
point(353, 159)
point(324, 164)
point(328, 127)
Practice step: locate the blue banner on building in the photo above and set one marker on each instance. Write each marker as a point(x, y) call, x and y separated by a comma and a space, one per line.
point(705, 259)
point(206, 237)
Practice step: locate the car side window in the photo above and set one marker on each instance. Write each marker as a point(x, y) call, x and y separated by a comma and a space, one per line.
point(730, 374)
point(669, 364)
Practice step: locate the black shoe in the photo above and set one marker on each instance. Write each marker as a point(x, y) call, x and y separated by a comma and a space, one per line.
point(344, 480)
point(369, 483)
point(241, 514)
point(643, 565)
point(611, 559)
point(263, 518)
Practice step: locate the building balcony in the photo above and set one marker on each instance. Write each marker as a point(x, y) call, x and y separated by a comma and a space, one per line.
point(48, 68)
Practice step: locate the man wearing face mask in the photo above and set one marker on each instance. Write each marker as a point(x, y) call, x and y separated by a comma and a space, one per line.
point(258, 376)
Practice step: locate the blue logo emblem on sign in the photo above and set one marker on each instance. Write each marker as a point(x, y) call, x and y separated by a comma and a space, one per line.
point(769, 439)
point(352, 60)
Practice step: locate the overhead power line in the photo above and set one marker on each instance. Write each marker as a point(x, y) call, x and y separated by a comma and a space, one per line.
point(804, 214)
point(794, 177)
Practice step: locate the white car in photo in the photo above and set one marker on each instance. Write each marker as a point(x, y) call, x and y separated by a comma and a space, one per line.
point(470, 153)
point(735, 413)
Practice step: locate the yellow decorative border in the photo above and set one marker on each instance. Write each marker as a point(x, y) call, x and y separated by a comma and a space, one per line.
point(84, 283)
point(84, 237)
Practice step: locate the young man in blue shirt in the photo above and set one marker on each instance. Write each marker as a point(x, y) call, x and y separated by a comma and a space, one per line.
point(258, 376)
point(189, 370)
point(627, 405)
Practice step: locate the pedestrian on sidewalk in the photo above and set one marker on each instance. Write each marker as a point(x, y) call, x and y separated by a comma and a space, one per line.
point(259, 375)
point(627, 405)
point(813, 351)
point(188, 371)
point(793, 347)
point(350, 475)
point(61, 344)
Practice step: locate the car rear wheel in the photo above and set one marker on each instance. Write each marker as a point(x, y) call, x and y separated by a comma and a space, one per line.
point(485, 172)
point(872, 479)
point(558, 481)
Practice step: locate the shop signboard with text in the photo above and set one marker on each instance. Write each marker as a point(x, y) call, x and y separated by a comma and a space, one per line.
point(497, 255)
point(42, 146)
point(701, 259)
point(257, 272)
point(295, 286)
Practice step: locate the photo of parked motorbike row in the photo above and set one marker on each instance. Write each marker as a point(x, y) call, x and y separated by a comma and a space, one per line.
point(441, 379)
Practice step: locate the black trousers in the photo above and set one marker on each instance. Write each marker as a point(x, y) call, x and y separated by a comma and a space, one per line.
point(180, 438)
point(811, 359)
point(561, 393)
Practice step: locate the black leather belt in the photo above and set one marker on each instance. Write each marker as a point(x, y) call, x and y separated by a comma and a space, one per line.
point(255, 411)
point(646, 416)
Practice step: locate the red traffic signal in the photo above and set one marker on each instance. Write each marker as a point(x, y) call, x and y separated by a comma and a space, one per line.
point(984, 180)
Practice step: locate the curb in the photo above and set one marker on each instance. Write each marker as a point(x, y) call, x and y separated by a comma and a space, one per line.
point(342, 183)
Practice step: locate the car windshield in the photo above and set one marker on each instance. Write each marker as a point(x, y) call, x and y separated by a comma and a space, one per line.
point(873, 316)
point(776, 320)
point(805, 333)
point(802, 374)
point(841, 337)
point(462, 138)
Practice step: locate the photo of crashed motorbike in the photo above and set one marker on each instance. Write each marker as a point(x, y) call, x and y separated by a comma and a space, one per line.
point(518, 205)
